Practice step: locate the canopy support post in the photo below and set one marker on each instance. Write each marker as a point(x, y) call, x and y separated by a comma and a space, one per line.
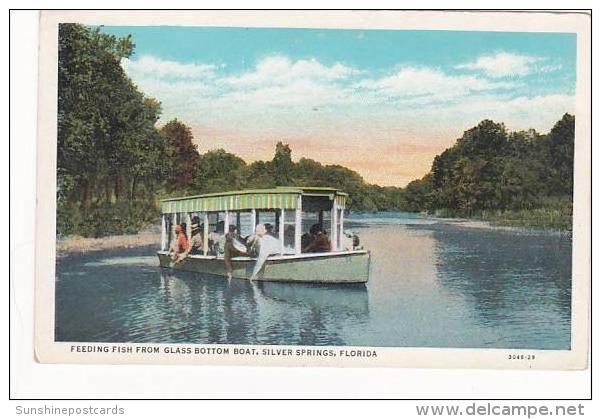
point(226, 222)
point(341, 232)
point(164, 232)
point(333, 225)
point(188, 224)
point(298, 225)
point(253, 220)
point(171, 230)
point(282, 224)
point(205, 236)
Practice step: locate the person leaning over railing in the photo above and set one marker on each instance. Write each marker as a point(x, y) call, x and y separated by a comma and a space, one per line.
point(233, 247)
point(267, 245)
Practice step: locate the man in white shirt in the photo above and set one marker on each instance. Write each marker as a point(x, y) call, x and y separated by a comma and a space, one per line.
point(267, 244)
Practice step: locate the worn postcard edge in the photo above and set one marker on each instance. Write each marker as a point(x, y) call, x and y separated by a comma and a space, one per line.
point(48, 351)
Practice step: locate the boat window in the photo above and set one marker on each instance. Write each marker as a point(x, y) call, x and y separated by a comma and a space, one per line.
point(246, 227)
point(174, 220)
point(310, 218)
point(213, 220)
point(268, 217)
point(289, 229)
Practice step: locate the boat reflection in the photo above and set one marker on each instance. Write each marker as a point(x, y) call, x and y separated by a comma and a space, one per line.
point(238, 311)
point(347, 297)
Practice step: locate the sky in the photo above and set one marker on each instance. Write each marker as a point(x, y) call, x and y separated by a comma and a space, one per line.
point(381, 102)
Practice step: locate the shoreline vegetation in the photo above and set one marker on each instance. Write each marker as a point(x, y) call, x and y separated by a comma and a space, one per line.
point(115, 163)
point(149, 236)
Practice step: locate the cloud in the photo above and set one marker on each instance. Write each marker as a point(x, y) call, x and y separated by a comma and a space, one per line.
point(281, 97)
point(504, 64)
point(306, 94)
point(151, 67)
point(425, 85)
point(277, 70)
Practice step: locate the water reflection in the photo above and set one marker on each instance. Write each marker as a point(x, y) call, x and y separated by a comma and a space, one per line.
point(218, 311)
point(510, 280)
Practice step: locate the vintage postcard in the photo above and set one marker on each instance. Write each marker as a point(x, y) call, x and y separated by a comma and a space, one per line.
point(310, 188)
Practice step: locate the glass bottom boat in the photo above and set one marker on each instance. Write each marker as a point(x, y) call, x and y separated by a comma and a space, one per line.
point(291, 211)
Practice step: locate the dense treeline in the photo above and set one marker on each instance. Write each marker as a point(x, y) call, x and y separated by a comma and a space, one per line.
point(492, 174)
point(114, 163)
point(218, 170)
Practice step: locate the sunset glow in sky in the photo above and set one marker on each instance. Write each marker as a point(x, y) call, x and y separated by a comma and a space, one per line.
point(381, 102)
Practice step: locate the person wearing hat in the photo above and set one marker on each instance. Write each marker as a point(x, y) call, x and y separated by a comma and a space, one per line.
point(195, 243)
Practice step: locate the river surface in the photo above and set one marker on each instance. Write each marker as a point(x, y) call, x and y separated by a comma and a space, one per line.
point(432, 284)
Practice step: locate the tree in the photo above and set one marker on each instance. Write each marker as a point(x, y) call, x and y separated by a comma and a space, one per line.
point(183, 155)
point(561, 150)
point(91, 86)
point(488, 138)
point(282, 164)
point(491, 169)
point(217, 171)
point(108, 145)
point(105, 125)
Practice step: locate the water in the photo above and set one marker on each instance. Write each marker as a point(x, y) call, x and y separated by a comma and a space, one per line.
point(432, 285)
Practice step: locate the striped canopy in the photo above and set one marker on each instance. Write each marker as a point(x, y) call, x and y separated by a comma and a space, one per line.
point(262, 199)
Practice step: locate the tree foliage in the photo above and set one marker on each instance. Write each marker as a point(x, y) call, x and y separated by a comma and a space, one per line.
point(182, 153)
point(218, 170)
point(489, 169)
point(108, 147)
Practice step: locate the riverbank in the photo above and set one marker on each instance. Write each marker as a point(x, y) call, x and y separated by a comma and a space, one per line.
point(77, 244)
point(553, 219)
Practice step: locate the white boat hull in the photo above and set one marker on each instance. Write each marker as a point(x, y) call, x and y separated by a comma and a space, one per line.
point(333, 267)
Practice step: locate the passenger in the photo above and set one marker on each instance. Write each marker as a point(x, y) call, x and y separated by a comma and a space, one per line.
point(196, 243)
point(268, 245)
point(348, 240)
point(253, 244)
point(233, 247)
point(319, 243)
point(180, 243)
point(306, 239)
point(217, 239)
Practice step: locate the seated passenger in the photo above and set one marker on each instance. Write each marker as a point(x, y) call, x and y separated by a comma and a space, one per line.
point(349, 240)
point(217, 239)
point(195, 244)
point(319, 241)
point(306, 239)
point(253, 244)
point(180, 244)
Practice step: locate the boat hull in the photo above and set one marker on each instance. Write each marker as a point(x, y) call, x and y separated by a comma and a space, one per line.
point(335, 267)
